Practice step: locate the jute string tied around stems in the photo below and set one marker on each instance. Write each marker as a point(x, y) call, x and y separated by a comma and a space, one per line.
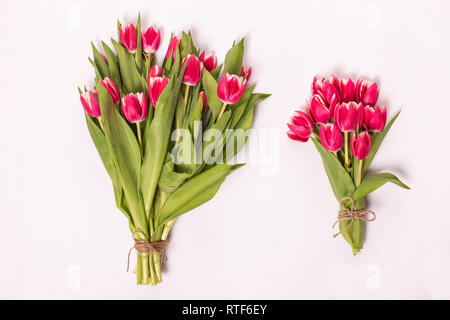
point(351, 215)
point(145, 246)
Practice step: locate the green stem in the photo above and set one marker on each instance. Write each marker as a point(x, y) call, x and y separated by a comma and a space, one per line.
point(145, 269)
point(139, 270)
point(186, 98)
point(222, 111)
point(358, 177)
point(346, 149)
point(139, 133)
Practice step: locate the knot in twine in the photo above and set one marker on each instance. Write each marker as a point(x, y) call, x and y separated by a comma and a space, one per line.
point(145, 246)
point(351, 215)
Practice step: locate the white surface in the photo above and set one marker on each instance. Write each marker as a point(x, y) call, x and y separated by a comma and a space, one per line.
point(263, 236)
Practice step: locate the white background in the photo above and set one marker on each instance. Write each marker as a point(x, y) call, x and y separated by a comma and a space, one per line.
point(264, 235)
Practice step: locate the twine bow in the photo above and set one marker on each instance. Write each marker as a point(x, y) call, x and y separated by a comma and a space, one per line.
point(351, 215)
point(145, 246)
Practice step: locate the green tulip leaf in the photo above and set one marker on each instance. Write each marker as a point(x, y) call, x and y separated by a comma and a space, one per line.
point(100, 62)
point(125, 153)
point(234, 58)
point(194, 193)
point(372, 182)
point(210, 86)
point(130, 75)
point(113, 62)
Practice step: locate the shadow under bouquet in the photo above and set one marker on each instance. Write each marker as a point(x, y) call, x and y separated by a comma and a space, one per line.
point(165, 133)
point(347, 127)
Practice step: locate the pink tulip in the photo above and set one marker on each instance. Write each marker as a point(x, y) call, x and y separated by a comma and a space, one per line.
point(345, 116)
point(112, 89)
point(128, 37)
point(209, 61)
point(174, 44)
point(348, 90)
point(156, 86)
point(331, 137)
point(150, 40)
point(135, 107)
point(375, 119)
point(89, 100)
point(202, 95)
point(360, 115)
point(246, 72)
point(317, 87)
point(194, 70)
point(301, 127)
point(155, 71)
point(367, 92)
point(361, 145)
point(332, 89)
point(231, 88)
point(319, 109)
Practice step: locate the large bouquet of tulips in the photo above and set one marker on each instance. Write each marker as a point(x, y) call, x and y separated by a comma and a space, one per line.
point(166, 132)
point(347, 127)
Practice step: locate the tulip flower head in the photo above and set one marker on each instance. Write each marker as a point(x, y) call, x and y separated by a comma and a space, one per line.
point(319, 109)
point(375, 119)
point(135, 107)
point(155, 71)
point(348, 90)
point(150, 40)
point(231, 88)
point(172, 50)
point(128, 37)
point(194, 70)
point(112, 89)
point(89, 100)
point(246, 72)
point(345, 116)
point(331, 137)
point(361, 145)
point(367, 92)
point(156, 86)
point(331, 90)
point(209, 61)
point(202, 96)
point(301, 127)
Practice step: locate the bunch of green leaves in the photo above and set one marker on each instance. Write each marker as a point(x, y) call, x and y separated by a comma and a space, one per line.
point(152, 187)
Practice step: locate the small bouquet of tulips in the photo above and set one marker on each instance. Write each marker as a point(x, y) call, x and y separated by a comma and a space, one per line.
point(347, 127)
point(165, 133)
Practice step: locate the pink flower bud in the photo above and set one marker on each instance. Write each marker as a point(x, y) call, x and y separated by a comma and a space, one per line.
point(361, 145)
point(209, 61)
point(345, 116)
point(104, 57)
point(89, 100)
point(318, 109)
point(202, 95)
point(155, 71)
point(348, 90)
point(128, 37)
point(156, 86)
point(301, 127)
point(331, 137)
point(150, 40)
point(246, 72)
point(194, 70)
point(375, 119)
point(112, 89)
point(332, 89)
point(174, 44)
point(231, 88)
point(367, 92)
point(317, 87)
point(135, 107)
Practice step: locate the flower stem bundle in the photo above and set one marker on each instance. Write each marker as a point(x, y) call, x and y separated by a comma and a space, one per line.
point(347, 127)
point(150, 123)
